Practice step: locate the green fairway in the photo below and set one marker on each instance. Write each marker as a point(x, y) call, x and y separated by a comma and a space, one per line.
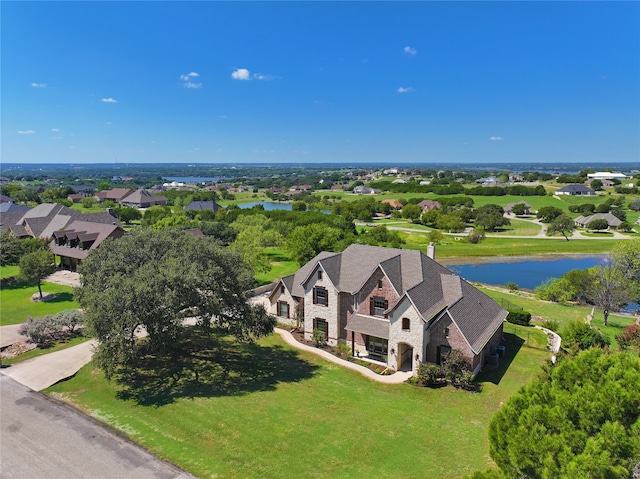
point(16, 304)
point(563, 313)
point(279, 412)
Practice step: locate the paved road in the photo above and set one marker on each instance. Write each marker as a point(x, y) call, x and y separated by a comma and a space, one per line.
point(43, 438)
point(41, 372)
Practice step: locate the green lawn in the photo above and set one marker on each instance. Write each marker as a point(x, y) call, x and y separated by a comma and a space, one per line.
point(520, 227)
point(562, 313)
point(16, 304)
point(509, 246)
point(9, 271)
point(279, 412)
point(281, 265)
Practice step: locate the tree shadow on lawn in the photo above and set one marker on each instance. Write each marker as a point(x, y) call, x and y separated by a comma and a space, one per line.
point(213, 366)
point(513, 344)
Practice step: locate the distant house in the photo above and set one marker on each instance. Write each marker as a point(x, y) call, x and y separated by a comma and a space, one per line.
point(143, 199)
point(7, 208)
point(116, 194)
point(203, 206)
point(606, 175)
point(83, 190)
point(74, 243)
point(395, 204)
point(44, 219)
point(575, 190)
point(509, 208)
point(75, 197)
point(5, 199)
point(584, 221)
point(429, 205)
point(364, 190)
point(396, 306)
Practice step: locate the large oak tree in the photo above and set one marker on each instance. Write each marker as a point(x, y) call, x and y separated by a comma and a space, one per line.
point(152, 280)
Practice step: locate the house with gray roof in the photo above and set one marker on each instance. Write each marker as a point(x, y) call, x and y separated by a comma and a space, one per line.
point(396, 306)
point(44, 219)
point(74, 243)
point(203, 206)
point(575, 190)
point(143, 199)
point(584, 221)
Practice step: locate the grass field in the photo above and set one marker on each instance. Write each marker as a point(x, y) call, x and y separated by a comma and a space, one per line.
point(563, 313)
point(9, 271)
point(16, 304)
point(279, 412)
point(281, 265)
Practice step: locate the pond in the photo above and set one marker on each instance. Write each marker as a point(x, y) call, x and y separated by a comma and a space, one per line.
point(270, 206)
point(527, 273)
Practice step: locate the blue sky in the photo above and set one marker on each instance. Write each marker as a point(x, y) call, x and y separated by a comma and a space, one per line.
point(314, 82)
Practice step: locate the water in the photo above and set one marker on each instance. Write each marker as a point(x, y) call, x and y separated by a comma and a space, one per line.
point(527, 274)
point(268, 205)
point(191, 179)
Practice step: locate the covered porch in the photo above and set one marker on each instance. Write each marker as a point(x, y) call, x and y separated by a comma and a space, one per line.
point(369, 337)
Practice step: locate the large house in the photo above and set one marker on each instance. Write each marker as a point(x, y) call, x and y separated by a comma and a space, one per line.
point(397, 306)
point(143, 199)
point(612, 221)
point(44, 219)
point(575, 190)
point(73, 244)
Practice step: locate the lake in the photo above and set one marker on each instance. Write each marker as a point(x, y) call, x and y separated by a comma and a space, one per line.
point(270, 206)
point(527, 273)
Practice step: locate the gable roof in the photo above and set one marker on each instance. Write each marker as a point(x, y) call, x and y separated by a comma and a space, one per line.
point(84, 231)
point(143, 197)
point(612, 220)
point(576, 189)
point(429, 286)
point(203, 205)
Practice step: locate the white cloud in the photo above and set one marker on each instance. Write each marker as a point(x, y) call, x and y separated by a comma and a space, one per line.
point(39, 85)
point(405, 89)
point(109, 100)
point(26, 132)
point(261, 76)
point(55, 129)
point(240, 74)
point(187, 79)
point(410, 50)
point(495, 138)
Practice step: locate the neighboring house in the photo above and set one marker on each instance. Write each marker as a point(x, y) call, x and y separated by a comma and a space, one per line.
point(575, 190)
point(606, 175)
point(395, 204)
point(83, 190)
point(12, 208)
point(74, 243)
point(203, 206)
point(429, 205)
point(75, 197)
point(583, 221)
point(44, 219)
point(116, 194)
point(364, 190)
point(397, 306)
point(143, 199)
point(509, 208)
point(5, 199)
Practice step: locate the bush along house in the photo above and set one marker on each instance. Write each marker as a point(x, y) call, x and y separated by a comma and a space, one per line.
point(396, 306)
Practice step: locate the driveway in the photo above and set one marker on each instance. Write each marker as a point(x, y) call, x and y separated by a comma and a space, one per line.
point(44, 371)
point(9, 335)
point(45, 438)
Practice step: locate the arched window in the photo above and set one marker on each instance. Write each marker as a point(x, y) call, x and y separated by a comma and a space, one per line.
point(406, 324)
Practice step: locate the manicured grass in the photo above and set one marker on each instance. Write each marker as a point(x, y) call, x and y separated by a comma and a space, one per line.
point(281, 265)
point(16, 304)
point(509, 246)
point(563, 313)
point(9, 271)
point(278, 412)
point(519, 227)
point(39, 351)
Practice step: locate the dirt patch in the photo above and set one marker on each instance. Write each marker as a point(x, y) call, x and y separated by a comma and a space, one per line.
point(16, 349)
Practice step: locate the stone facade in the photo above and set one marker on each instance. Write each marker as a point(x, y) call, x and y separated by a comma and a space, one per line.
point(314, 311)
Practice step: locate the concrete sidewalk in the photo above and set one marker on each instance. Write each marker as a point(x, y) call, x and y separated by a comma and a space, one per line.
point(396, 378)
point(9, 335)
point(44, 371)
